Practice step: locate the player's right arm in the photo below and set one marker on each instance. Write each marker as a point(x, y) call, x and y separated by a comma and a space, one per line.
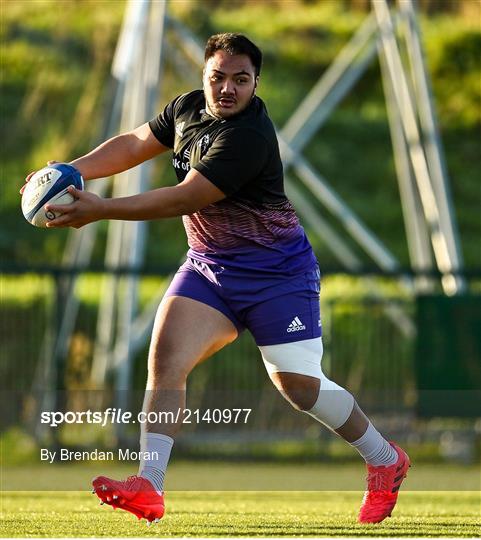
point(117, 154)
point(120, 153)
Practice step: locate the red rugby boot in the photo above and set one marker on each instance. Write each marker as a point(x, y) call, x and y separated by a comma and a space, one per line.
point(136, 495)
point(383, 483)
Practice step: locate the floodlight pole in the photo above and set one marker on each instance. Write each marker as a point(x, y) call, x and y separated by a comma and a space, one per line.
point(147, 88)
point(77, 252)
point(432, 140)
point(416, 231)
point(127, 59)
point(401, 91)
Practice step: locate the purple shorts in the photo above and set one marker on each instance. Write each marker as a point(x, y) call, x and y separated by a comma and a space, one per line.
point(273, 308)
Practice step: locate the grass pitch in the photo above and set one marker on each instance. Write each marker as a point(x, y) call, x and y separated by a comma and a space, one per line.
point(235, 513)
point(199, 503)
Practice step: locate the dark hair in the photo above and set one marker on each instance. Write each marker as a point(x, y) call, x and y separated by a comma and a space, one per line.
point(234, 44)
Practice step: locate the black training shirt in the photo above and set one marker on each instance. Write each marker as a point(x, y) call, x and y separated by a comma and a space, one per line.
point(240, 156)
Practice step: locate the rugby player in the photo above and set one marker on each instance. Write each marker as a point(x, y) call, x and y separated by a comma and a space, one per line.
point(249, 266)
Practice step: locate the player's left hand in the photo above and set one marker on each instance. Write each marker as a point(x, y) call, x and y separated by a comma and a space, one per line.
point(86, 208)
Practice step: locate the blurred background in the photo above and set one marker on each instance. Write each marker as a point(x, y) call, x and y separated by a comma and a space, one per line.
point(401, 330)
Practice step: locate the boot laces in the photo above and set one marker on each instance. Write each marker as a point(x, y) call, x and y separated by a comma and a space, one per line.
point(377, 481)
point(131, 480)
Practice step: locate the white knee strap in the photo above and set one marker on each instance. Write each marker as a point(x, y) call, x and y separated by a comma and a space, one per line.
point(334, 404)
point(302, 357)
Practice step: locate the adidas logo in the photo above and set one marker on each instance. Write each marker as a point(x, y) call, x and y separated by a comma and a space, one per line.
point(296, 325)
point(179, 128)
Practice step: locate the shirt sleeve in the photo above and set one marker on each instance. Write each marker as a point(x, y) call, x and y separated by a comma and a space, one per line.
point(163, 125)
point(235, 158)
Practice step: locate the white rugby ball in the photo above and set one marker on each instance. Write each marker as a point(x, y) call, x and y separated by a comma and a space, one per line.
point(49, 185)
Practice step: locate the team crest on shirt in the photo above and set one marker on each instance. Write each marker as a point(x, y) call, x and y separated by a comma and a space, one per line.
point(179, 128)
point(203, 144)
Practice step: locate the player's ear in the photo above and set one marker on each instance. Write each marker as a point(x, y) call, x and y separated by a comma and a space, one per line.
point(256, 82)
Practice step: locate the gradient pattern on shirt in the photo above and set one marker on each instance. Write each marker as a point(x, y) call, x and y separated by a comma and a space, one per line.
point(231, 224)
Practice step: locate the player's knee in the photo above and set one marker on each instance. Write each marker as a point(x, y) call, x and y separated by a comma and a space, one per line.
point(299, 390)
point(295, 369)
point(163, 365)
point(161, 374)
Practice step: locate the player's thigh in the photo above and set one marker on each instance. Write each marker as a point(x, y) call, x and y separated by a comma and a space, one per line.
point(185, 332)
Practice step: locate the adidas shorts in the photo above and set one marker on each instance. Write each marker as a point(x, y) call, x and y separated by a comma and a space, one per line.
point(275, 309)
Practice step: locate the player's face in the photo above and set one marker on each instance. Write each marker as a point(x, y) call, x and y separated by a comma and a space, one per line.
point(229, 83)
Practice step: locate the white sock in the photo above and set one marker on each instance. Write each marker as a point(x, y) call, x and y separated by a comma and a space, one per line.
point(374, 448)
point(156, 448)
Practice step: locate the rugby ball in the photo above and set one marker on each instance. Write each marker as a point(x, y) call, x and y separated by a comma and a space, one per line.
point(49, 185)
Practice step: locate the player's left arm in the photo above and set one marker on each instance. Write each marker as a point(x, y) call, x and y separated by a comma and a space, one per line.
point(191, 195)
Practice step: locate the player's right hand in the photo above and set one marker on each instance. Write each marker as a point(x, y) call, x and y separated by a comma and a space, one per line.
point(27, 179)
point(86, 208)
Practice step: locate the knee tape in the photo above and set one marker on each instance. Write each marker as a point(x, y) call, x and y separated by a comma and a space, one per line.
point(334, 404)
point(302, 357)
